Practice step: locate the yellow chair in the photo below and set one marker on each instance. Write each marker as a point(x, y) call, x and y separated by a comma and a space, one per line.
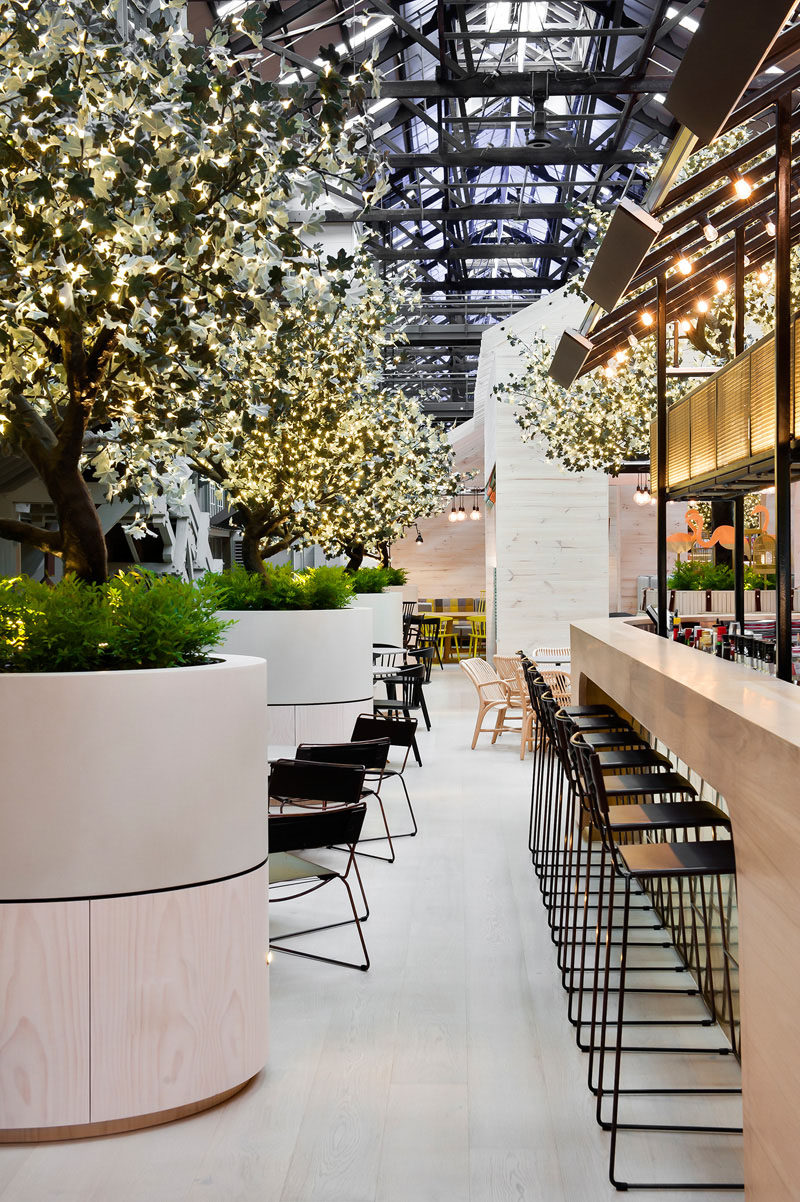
point(477, 636)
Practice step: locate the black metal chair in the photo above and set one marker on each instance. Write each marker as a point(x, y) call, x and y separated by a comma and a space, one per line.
point(318, 804)
point(402, 734)
point(369, 754)
point(424, 655)
point(404, 693)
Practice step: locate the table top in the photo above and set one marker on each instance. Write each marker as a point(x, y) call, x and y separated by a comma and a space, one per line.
point(449, 614)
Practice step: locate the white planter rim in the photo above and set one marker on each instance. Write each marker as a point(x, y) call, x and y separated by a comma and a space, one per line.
point(216, 660)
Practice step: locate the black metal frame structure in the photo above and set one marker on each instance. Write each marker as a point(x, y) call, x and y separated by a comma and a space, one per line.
point(499, 119)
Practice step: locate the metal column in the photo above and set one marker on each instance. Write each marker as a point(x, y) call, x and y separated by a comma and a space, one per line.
point(738, 504)
point(661, 452)
point(783, 387)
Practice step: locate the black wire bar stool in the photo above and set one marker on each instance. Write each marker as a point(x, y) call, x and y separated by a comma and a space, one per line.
point(649, 804)
point(663, 864)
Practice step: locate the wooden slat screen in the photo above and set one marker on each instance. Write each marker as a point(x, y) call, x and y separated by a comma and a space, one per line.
point(732, 425)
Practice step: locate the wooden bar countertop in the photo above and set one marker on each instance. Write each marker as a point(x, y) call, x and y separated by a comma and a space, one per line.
point(740, 730)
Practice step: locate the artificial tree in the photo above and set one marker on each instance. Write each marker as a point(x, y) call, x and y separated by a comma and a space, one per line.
point(146, 257)
point(326, 436)
point(409, 476)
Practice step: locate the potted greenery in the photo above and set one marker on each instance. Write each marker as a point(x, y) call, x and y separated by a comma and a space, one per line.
point(708, 587)
point(122, 817)
point(317, 647)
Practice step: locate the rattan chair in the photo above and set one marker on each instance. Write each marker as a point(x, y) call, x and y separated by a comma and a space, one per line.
point(493, 698)
point(559, 684)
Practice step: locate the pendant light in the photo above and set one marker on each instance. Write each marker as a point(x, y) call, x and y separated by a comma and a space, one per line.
point(453, 514)
point(475, 516)
point(419, 540)
point(462, 515)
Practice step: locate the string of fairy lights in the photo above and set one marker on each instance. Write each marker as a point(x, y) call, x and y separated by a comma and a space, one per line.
point(683, 267)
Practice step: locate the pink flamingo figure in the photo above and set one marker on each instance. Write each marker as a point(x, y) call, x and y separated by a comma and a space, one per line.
point(682, 541)
point(769, 539)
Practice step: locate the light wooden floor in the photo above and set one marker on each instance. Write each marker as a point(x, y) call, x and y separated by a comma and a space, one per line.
point(447, 1073)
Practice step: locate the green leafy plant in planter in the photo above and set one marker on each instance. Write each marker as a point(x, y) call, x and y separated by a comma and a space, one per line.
point(139, 620)
point(280, 588)
point(701, 576)
point(376, 580)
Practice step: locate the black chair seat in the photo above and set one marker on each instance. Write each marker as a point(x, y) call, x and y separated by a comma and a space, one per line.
point(707, 858)
point(665, 815)
point(642, 783)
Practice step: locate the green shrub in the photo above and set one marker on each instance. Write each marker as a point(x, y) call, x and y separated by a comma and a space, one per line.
point(376, 580)
point(702, 576)
point(281, 588)
point(139, 620)
point(369, 580)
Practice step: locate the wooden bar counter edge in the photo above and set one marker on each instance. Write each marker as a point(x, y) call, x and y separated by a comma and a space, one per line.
point(740, 731)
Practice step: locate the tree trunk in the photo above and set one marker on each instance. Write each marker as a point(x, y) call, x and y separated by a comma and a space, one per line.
point(251, 551)
point(355, 553)
point(383, 548)
point(83, 544)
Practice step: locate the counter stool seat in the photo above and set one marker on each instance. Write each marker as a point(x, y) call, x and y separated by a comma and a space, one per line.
point(587, 711)
point(595, 722)
point(663, 816)
point(644, 783)
point(710, 857)
point(640, 757)
point(599, 740)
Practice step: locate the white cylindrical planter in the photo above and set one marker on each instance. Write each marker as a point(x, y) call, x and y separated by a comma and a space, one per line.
point(387, 615)
point(133, 986)
point(320, 668)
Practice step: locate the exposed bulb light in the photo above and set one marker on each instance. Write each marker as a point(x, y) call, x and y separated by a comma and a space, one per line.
point(461, 515)
point(453, 514)
point(710, 232)
point(621, 356)
point(763, 277)
point(769, 226)
point(684, 265)
point(633, 341)
point(419, 539)
point(742, 187)
point(475, 516)
point(684, 326)
point(640, 497)
point(647, 319)
point(721, 286)
point(702, 306)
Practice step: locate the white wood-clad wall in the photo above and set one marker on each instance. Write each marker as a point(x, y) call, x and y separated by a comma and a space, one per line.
point(548, 544)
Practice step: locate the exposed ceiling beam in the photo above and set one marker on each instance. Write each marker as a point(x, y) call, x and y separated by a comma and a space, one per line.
point(476, 250)
point(516, 83)
point(516, 156)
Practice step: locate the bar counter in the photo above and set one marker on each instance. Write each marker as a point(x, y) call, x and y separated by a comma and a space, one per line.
point(740, 731)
